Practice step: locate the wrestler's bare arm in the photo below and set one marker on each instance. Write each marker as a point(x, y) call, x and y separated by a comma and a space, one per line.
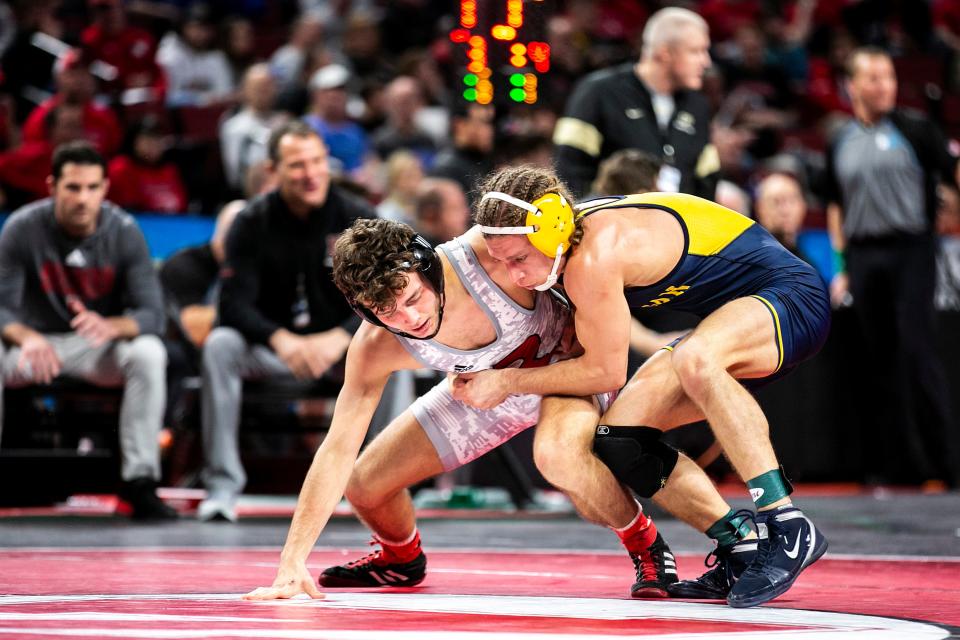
point(373, 355)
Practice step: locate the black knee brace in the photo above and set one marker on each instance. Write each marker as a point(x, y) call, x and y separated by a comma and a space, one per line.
point(636, 456)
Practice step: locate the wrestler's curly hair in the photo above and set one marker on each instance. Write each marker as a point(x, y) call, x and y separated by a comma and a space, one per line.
point(526, 182)
point(371, 261)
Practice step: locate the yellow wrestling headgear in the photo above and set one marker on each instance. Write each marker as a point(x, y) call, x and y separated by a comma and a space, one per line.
point(549, 226)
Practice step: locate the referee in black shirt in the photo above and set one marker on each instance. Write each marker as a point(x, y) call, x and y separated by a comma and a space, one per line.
point(653, 105)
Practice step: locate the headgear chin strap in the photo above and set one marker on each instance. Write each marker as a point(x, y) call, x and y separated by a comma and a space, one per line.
point(426, 262)
point(549, 227)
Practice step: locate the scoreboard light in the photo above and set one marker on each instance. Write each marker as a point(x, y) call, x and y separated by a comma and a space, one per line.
point(515, 13)
point(468, 14)
point(500, 54)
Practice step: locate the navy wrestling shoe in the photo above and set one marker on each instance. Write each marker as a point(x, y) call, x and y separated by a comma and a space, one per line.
point(789, 543)
point(374, 571)
point(656, 570)
point(726, 564)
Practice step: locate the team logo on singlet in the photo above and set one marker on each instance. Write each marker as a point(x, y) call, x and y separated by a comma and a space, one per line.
point(672, 292)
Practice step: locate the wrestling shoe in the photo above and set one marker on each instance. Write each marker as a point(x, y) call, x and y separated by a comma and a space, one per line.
point(725, 564)
point(789, 543)
point(376, 570)
point(656, 570)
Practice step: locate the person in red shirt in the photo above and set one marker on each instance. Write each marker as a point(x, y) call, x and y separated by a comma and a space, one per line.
point(24, 170)
point(131, 51)
point(75, 86)
point(141, 180)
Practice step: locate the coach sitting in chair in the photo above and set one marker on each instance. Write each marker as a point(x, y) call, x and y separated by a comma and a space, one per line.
point(79, 297)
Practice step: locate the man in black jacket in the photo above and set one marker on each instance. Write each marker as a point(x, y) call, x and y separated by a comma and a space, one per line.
point(280, 313)
point(653, 105)
point(883, 169)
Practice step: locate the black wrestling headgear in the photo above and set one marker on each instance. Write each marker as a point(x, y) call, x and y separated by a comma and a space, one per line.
point(426, 262)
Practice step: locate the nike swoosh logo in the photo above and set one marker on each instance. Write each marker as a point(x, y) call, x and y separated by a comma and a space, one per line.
point(793, 553)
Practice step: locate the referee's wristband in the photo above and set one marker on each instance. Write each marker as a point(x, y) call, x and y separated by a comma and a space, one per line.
point(839, 264)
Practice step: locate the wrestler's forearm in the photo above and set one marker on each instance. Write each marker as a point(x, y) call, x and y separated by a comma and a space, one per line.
point(575, 377)
point(329, 473)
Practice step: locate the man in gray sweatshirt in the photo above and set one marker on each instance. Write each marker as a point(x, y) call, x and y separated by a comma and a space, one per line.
point(79, 297)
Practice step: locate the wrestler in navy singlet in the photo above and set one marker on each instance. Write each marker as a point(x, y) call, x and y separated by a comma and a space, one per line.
point(727, 256)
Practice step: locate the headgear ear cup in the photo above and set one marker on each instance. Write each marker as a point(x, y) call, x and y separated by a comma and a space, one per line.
point(549, 225)
point(426, 262)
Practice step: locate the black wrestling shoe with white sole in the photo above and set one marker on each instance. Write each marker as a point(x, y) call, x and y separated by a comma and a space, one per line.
point(789, 543)
point(373, 571)
point(726, 564)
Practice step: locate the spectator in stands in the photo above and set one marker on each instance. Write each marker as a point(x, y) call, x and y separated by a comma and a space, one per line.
point(240, 46)
point(24, 170)
point(360, 42)
point(344, 138)
point(27, 69)
point(404, 175)
point(883, 168)
point(191, 289)
point(760, 95)
point(403, 100)
point(79, 297)
point(441, 209)
point(288, 63)
point(567, 62)
point(280, 313)
point(627, 171)
point(781, 207)
point(129, 51)
point(654, 105)
point(189, 279)
point(75, 86)
point(468, 158)
point(198, 73)
point(946, 26)
point(948, 258)
point(826, 87)
point(726, 16)
point(142, 179)
point(244, 136)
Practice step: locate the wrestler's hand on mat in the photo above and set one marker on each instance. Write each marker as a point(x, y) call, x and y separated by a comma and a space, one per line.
point(481, 389)
point(289, 582)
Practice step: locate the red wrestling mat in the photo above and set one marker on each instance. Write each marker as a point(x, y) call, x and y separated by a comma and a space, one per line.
point(194, 593)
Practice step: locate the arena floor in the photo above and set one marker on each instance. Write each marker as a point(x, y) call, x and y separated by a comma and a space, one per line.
point(892, 572)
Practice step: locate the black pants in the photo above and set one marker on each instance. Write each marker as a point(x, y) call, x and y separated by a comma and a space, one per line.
point(910, 430)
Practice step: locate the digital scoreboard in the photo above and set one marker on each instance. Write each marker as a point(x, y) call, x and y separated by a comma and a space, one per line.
point(503, 50)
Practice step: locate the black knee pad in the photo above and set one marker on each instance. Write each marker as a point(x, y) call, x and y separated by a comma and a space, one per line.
point(636, 456)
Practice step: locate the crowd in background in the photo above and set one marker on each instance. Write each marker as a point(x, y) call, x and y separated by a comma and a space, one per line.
point(180, 97)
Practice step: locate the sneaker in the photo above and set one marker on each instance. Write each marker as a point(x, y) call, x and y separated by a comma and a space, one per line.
point(374, 571)
point(789, 543)
point(726, 564)
point(656, 570)
point(218, 508)
point(139, 500)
